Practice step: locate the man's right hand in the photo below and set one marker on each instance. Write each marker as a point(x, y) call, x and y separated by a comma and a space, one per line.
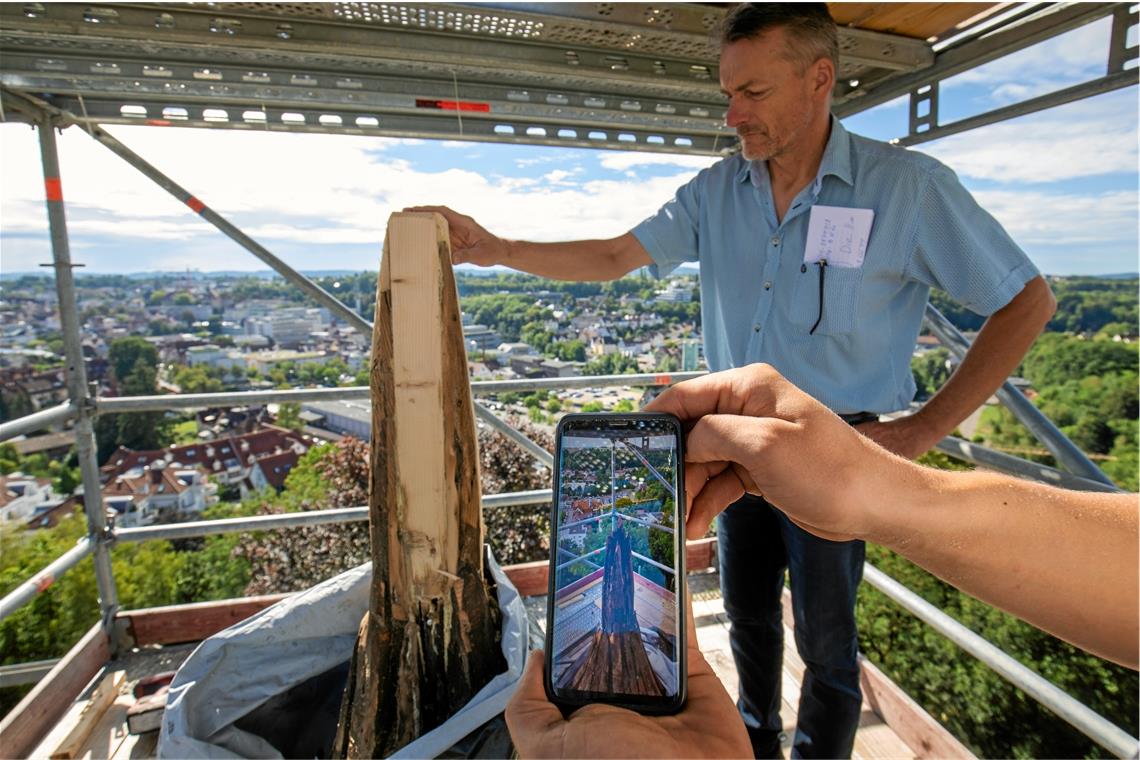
point(470, 243)
point(751, 430)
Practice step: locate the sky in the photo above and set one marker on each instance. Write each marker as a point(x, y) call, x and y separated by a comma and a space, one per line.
point(1063, 182)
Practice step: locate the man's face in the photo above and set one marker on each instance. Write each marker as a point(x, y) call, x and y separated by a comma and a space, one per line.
point(771, 102)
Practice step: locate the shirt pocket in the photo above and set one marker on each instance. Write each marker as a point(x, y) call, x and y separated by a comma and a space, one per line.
point(841, 290)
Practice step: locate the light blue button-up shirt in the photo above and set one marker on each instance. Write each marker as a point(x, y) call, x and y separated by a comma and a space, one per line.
point(757, 305)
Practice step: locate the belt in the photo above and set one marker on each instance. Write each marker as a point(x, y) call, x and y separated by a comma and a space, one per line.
point(858, 418)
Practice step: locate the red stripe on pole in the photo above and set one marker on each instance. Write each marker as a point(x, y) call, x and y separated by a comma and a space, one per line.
point(453, 105)
point(44, 582)
point(54, 189)
point(195, 205)
point(159, 122)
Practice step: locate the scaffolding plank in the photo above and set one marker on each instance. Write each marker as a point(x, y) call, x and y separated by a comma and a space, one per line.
point(46, 703)
point(191, 622)
point(69, 735)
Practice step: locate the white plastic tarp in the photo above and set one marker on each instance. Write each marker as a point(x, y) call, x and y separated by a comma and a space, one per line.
point(233, 672)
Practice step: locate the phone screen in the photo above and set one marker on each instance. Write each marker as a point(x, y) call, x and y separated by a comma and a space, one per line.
point(615, 627)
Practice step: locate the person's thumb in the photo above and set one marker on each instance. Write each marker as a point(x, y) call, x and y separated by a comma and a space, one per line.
point(530, 715)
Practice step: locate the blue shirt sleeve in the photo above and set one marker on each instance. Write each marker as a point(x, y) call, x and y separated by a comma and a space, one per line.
point(961, 249)
point(671, 235)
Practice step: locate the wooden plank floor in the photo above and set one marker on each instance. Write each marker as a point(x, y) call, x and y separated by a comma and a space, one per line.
point(875, 740)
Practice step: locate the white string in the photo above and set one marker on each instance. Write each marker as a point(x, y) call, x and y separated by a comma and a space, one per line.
point(86, 123)
point(458, 112)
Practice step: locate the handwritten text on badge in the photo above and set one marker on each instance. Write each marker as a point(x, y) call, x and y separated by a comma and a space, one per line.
point(839, 235)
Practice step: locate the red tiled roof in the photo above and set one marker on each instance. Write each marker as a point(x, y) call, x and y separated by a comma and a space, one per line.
point(276, 467)
point(166, 483)
point(271, 440)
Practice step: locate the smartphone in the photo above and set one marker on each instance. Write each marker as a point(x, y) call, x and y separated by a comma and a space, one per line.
point(615, 625)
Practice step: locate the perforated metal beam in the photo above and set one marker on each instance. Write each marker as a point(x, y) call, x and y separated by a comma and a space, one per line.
point(632, 76)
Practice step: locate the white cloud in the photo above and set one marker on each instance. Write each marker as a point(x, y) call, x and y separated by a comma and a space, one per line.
point(290, 191)
point(619, 161)
point(1065, 60)
point(562, 177)
point(1062, 219)
point(1086, 139)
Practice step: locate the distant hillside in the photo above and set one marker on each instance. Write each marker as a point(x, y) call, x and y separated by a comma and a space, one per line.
point(1084, 305)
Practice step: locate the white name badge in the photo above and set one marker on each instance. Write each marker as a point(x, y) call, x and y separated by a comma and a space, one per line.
point(839, 235)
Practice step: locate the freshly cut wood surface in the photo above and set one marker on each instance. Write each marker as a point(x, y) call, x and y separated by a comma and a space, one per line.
point(430, 638)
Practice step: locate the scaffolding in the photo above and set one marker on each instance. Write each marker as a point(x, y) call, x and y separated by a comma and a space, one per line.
point(632, 76)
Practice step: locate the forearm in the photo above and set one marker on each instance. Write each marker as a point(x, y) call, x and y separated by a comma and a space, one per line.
point(582, 260)
point(994, 355)
point(1062, 560)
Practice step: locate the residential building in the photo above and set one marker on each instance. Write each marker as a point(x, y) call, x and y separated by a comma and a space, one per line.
point(23, 497)
point(480, 338)
point(211, 355)
point(287, 328)
point(156, 493)
point(228, 461)
point(676, 291)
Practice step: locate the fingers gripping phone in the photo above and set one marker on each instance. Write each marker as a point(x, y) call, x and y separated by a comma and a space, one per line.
point(615, 627)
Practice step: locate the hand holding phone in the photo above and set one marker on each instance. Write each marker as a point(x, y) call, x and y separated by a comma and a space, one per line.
point(708, 725)
point(615, 631)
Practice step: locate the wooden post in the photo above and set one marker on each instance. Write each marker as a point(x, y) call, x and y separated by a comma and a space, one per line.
point(430, 639)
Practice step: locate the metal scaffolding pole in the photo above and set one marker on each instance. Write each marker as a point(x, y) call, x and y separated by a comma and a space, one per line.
point(85, 446)
point(540, 455)
point(1066, 452)
point(37, 420)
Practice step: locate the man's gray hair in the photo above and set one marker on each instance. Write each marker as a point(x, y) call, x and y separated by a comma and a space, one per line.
point(812, 32)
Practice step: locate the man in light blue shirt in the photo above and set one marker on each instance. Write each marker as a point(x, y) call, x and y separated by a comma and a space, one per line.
point(817, 250)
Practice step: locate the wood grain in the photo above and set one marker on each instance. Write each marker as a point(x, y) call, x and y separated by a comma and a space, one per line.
point(27, 723)
point(429, 640)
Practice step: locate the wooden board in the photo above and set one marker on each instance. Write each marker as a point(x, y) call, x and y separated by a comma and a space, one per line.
point(27, 723)
point(430, 537)
point(922, 733)
point(71, 732)
point(191, 622)
point(915, 20)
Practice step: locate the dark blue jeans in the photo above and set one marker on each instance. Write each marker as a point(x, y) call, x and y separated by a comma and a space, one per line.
point(757, 544)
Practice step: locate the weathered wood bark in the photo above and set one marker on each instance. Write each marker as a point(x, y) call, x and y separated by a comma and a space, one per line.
point(430, 638)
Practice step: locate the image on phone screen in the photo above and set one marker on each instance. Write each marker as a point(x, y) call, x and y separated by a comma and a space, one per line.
point(615, 617)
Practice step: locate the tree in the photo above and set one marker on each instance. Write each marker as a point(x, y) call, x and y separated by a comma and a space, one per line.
point(1055, 358)
point(327, 477)
point(977, 705)
point(930, 369)
point(289, 416)
point(126, 353)
point(571, 350)
point(516, 534)
point(197, 380)
point(134, 362)
point(611, 364)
